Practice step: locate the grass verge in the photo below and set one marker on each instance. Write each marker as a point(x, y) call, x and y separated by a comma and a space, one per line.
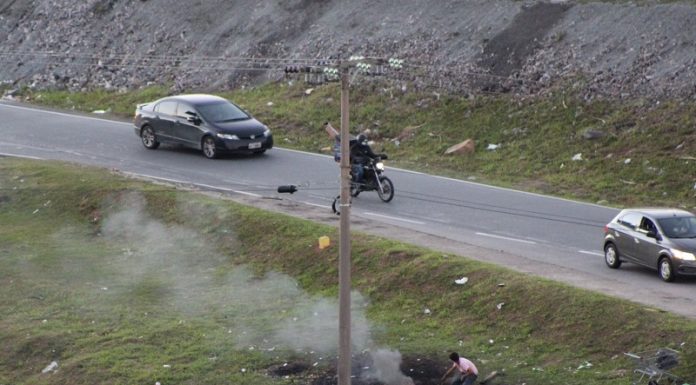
point(125, 282)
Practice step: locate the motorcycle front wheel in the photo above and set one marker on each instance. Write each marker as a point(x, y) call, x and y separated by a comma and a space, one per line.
point(386, 193)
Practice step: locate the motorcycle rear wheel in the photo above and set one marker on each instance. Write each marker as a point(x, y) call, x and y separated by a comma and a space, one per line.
point(386, 193)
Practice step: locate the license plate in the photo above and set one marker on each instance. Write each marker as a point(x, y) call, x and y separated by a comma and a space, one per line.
point(254, 145)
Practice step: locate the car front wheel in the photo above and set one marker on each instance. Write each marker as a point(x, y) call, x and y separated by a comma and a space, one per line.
point(209, 149)
point(147, 135)
point(611, 256)
point(665, 270)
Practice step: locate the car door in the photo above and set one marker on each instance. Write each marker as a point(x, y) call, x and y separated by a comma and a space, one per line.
point(189, 132)
point(647, 249)
point(624, 235)
point(165, 117)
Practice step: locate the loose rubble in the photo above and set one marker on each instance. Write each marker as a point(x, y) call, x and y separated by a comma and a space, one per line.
point(601, 49)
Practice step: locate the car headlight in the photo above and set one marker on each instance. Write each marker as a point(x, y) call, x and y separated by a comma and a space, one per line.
point(267, 133)
point(379, 166)
point(228, 136)
point(683, 255)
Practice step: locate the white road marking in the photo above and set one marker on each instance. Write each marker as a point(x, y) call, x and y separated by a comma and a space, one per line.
point(20, 156)
point(64, 114)
point(591, 253)
point(316, 205)
point(247, 193)
point(506, 238)
point(394, 218)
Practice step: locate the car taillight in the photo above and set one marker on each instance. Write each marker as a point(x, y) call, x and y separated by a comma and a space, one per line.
point(606, 229)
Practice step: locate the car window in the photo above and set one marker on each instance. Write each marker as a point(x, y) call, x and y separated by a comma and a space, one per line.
point(183, 108)
point(167, 107)
point(679, 227)
point(647, 225)
point(222, 112)
point(630, 220)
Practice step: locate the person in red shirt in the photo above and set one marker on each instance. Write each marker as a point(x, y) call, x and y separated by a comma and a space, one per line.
point(466, 372)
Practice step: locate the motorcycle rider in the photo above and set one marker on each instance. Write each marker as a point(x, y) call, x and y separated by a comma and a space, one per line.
point(360, 155)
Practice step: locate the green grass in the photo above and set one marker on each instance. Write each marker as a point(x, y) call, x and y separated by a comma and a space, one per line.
point(125, 282)
point(640, 159)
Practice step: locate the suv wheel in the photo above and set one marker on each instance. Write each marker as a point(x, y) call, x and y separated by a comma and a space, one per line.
point(665, 269)
point(611, 256)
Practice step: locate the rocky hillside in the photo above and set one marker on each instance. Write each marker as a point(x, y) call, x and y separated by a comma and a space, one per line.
point(617, 50)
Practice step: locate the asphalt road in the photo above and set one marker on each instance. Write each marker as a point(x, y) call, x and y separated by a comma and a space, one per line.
point(545, 236)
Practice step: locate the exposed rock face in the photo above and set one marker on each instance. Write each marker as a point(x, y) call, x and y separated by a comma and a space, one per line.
point(616, 50)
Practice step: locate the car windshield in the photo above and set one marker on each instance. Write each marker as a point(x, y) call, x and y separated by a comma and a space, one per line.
point(222, 112)
point(679, 227)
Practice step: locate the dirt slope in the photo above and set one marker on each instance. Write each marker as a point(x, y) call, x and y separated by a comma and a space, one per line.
point(624, 50)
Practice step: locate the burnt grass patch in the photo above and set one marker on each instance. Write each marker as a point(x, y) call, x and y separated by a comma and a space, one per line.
point(422, 371)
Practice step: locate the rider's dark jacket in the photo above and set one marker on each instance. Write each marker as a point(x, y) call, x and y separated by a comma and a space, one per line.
point(360, 152)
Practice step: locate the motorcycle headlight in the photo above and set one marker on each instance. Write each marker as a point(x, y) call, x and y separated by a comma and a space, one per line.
point(683, 255)
point(228, 136)
point(379, 166)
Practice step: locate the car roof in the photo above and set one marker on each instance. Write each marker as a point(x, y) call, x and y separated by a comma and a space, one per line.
point(196, 99)
point(659, 212)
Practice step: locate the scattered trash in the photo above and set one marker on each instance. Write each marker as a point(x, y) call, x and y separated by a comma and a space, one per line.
point(166, 366)
point(489, 377)
point(500, 305)
point(466, 147)
point(324, 242)
point(99, 112)
point(243, 370)
point(35, 211)
point(585, 365)
point(461, 280)
point(269, 104)
point(157, 383)
point(577, 157)
point(491, 342)
point(627, 160)
point(309, 91)
point(426, 311)
point(492, 147)
point(501, 284)
point(51, 367)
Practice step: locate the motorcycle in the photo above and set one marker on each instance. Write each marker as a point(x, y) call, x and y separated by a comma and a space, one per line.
point(374, 180)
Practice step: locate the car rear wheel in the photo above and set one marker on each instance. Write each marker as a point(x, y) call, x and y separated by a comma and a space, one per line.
point(665, 269)
point(611, 256)
point(209, 149)
point(147, 135)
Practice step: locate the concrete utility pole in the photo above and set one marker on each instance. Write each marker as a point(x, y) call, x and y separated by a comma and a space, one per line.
point(344, 264)
point(344, 258)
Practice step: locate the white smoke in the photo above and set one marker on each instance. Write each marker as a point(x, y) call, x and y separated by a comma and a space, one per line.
point(260, 312)
point(386, 368)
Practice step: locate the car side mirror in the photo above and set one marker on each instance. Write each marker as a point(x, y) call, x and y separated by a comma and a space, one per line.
point(193, 117)
point(652, 234)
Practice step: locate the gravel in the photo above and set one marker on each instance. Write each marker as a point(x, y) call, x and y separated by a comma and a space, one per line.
point(603, 50)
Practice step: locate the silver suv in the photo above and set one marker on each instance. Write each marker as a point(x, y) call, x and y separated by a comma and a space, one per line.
point(659, 238)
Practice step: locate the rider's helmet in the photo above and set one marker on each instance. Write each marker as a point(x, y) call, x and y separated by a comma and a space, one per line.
point(362, 139)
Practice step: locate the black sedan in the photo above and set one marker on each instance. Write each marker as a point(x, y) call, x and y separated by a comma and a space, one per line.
point(205, 122)
point(663, 239)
